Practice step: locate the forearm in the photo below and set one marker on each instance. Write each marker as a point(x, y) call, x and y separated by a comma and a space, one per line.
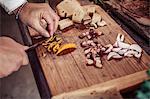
point(11, 5)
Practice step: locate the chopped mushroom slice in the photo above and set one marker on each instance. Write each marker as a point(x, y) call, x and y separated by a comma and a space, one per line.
point(120, 37)
point(116, 49)
point(101, 23)
point(90, 61)
point(122, 51)
point(86, 51)
point(98, 62)
point(138, 55)
point(109, 48)
point(123, 45)
point(94, 25)
point(130, 53)
point(113, 55)
point(87, 22)
point(136, 48)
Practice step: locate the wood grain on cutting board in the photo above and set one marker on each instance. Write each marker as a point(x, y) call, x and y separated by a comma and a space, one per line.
point(69, 72)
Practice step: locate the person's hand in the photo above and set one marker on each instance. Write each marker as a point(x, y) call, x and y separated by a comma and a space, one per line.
point(12, 56)
point(37, 15)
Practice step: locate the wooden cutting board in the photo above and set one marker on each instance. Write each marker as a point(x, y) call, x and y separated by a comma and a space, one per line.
point(65, 74)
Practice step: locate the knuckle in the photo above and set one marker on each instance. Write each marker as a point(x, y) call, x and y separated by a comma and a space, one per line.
point(57, 17)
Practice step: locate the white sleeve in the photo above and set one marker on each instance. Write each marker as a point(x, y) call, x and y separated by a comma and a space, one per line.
point(11, 5)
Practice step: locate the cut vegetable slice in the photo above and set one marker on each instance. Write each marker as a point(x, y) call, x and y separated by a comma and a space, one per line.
point(66, 48)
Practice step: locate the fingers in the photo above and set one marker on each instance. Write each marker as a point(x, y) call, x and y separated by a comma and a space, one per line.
point(41, 30)
point(56, 23)
point(55, 18)
point(43, 23)
point(50, 22)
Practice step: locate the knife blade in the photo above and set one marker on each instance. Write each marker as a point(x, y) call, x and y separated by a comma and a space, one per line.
point(32, 47)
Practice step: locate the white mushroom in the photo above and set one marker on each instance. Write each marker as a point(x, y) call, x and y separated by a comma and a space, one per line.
point(116, 44)
point(103, 49)
point(89, 36)
point(89, 42)
point(93, 24)
point(122, 51)
point(116, 49)
point(98, 62)
point(136, 47)
point(84, 43)
point(93, 44)
point(86, 51)
point(110, 47)
point(120, 37)
point(138, 55)
point(123, 45)
point(88, 55)
point(90, 61)
point(113, 55)
point(87, 22)
point(130, 53)
point(101, 23)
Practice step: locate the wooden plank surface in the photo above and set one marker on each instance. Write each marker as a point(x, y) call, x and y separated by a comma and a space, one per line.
point(69, 72)
point(115, 84)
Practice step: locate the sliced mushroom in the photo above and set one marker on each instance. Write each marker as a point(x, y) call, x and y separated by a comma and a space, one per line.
point(89, 37)
point(109, 48)
point(116, 49)
point(83, 44)
point(120, 37)
point(89, 55)
point(86, 51)
point(94, 25)
point(94, 51)
point(103, 49)
point(123, 45)
point(87, 22)
point(138, 55)
point(93, 44)
point(122, 51)
point(113, 55)
point(116, 44)
point(136, 47)
point(101, 23)
point(89, 61)
point(130, 53)
point(89, 42)
point(98, 62)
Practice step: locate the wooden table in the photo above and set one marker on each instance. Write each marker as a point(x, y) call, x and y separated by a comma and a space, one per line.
point(69, 76)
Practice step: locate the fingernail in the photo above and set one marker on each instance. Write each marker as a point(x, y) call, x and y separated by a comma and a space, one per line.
point(46, 35)
point(51, 33)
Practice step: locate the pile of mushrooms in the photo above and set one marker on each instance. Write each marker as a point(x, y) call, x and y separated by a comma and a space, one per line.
point(121, 49)
point(94, 51)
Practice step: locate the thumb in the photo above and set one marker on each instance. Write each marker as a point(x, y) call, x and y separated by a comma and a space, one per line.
point(25, 60)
